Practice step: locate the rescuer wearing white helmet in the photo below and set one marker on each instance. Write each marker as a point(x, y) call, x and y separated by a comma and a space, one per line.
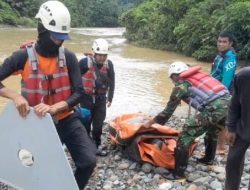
point(51, 83)
point(100, 46)
point(177, 68)
point(55, 17)
point(205, 94)
point(99, 83)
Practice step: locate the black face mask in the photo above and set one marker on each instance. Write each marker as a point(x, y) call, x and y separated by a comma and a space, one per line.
point(45, 46)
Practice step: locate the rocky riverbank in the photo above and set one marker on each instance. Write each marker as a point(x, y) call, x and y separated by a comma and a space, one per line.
point(116, 172)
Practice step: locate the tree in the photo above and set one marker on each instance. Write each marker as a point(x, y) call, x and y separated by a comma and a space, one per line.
point(188, 26)
point(78, 10)
point(103, 13)
point(236, 20)
point(7, 14)
point(197, 32)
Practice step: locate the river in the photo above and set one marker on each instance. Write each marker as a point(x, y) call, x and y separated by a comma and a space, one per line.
point(142, 84)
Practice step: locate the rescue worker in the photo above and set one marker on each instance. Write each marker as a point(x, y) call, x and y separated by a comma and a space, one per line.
point(98, 78)
point(223, 69)
point(238, 127)
point(51, 83)
point(205, 94)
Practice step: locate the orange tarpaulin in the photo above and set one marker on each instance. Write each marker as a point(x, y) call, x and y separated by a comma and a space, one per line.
point(155, 144)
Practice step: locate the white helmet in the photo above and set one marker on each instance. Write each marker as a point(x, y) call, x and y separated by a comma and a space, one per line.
point(177, 67)
point(55, 17)
point(100, 46)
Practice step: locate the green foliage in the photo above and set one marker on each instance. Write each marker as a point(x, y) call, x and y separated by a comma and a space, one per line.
point(27, 8)
point(197, 30)
point(189, 26)
point(7, 15)
point(10, 15)
point(127, 4)
point(137, 21)
point(27, 22)
point(237, 20)
point(103, 13)
point(153, 21)
point(99, 13)
point(77, 9)
point(206, 21)
point(166, 15)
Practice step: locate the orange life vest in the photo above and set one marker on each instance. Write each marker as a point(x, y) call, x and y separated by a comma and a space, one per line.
point(46, 80)
point(92, 83)
point(204, 89)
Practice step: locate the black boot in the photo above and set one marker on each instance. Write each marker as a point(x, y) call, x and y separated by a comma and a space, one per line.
point(210, 151)
point(181, 161)
point(101, 152)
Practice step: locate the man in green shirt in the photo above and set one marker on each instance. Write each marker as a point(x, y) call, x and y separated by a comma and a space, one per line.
point(223, 69)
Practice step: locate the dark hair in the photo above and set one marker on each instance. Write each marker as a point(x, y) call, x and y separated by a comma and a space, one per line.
point(229, 35)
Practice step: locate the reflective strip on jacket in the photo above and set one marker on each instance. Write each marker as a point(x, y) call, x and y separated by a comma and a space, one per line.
point(92, 83)
point(46, 80)
point(204, 88)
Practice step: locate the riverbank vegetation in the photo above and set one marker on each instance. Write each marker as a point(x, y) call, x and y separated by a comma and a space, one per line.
point(190, 27)
point(84, 13)
point(10, 14)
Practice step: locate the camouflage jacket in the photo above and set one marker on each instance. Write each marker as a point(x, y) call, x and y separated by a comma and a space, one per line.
point(181, 92)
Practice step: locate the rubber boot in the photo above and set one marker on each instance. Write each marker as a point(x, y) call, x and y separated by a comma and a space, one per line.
point(101, 152)
point(181, 161)
point(210, 151)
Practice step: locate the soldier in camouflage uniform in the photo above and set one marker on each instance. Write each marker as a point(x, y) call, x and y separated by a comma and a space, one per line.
point(212, 112)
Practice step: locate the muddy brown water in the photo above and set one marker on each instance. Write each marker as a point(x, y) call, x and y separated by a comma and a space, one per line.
point(142, 84)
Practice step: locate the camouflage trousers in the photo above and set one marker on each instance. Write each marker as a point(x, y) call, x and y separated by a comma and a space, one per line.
point(210, 121)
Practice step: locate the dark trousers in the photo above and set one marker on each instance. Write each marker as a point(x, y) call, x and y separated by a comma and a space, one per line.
point(235, 164)
point(82, 150)
point(98, 115)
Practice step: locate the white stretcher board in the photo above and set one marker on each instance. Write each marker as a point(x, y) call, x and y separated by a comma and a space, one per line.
point(50, 170)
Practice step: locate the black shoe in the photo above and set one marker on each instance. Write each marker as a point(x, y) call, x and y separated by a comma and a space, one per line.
point(205, 161)
point(101, 152)
point(172, 176)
